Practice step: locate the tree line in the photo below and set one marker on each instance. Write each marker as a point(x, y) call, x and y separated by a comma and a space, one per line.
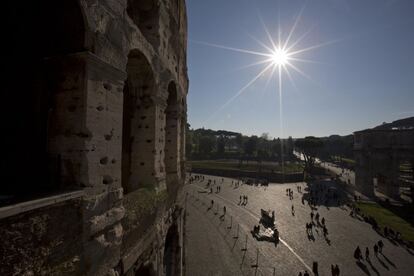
point(203, 144)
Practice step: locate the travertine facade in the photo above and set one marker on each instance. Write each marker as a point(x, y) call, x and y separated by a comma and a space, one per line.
point(97, 95)
point(379, 154)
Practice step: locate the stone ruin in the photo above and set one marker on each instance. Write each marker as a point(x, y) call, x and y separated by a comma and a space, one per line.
point(94, 119)
point(380, 157)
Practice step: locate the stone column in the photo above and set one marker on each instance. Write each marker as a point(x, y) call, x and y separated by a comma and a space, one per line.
point(392, 188)
point(183, 143)
point(363, 175)
point(172, 147)
point(100, 163)
point(159, 138)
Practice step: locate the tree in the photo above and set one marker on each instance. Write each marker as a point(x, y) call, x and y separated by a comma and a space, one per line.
point(250, 146)
point(206, 145)
point(221, 145)
point(188, 141)
point(309, 147)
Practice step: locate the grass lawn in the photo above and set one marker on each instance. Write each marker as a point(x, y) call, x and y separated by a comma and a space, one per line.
point(251, 166)
point(385, 217)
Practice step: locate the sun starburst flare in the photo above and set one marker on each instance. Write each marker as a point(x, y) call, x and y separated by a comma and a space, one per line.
point(279, 58)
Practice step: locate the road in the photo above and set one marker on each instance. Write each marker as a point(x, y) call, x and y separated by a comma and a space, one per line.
point(213, 248)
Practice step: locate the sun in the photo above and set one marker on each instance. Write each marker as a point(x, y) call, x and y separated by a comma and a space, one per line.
point(280, 57)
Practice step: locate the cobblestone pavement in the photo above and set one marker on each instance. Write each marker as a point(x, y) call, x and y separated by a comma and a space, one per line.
point(215, 248)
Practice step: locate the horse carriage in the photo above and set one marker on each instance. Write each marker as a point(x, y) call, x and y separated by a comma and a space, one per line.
point(266, 230)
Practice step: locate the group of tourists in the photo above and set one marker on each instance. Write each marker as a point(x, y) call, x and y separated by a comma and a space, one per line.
point(218, 189)
point(194, 178)
point(289, 193)
point(320, 223)
point(334, 270)
point(389, 233)
point(243, 200)
point(235, 183)
point(377, 249)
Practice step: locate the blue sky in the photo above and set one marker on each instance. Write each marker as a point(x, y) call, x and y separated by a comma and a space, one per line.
point(363, 76)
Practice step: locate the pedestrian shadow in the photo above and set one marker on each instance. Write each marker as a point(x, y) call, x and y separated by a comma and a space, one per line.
point(244, 256)
point(328, 241)
point(382, 263)
point(363, 267)
point(389, 261)
point(234, 244)
point(373, 267)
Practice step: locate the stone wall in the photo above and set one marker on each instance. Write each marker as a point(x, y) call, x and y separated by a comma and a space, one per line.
point(44, 241)
point(100, 72)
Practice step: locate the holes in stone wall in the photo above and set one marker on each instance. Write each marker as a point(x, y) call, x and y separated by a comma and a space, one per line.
point(107, 180)
point(103, 160)
point(145, 15)
point(107, 86)
point(137, 121)
point(171, 131)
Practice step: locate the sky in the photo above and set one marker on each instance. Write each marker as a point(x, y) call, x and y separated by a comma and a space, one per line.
point(360, 76)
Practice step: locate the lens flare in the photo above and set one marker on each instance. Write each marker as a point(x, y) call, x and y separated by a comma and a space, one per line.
point(280, 57)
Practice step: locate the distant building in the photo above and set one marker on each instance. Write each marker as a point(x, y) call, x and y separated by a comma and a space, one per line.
point(382, 153)
point(93, 130)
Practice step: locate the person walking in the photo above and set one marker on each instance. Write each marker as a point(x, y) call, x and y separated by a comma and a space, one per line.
point(337, 271)
point(357, 254)
point(380, 246)
point(376, 250)
point(367, 254)
point(315, 268)
point(306, 273)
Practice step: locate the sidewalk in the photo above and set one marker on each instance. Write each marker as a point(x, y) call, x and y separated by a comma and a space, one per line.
point(206, 251)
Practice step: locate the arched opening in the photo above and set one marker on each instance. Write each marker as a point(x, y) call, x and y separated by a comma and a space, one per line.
point(138, 124)
point(40, 29)
point(171, 157)
point(145, 14)
point(145, 270)
point(172, 252)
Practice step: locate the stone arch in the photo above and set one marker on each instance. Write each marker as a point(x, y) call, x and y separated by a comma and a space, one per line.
point(138, 123)
point(52, 28)
point(172, 252)
point(172, 128)
point(145, 15)
point(145, 270)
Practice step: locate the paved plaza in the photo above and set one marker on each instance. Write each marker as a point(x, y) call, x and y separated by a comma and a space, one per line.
point(222, 245)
